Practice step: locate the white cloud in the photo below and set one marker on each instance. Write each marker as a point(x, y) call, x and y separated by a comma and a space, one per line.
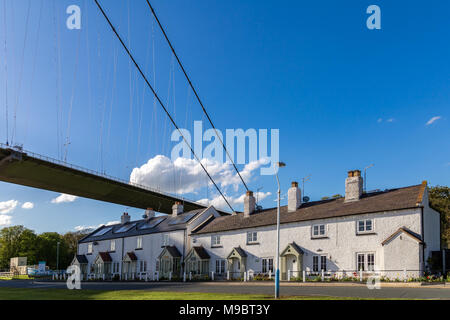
point(390, 120)
point(92, 228)
point(380, 120)
point(219, 203)
point(64, 198)
point(28, 205)
point(432, 120)
point(8, 206)
point(187, 176)
point(5, 220)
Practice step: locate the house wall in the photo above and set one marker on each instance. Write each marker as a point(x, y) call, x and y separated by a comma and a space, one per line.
point(395, 259)
point(340, 246)
point(152, 244)
point(431, 222)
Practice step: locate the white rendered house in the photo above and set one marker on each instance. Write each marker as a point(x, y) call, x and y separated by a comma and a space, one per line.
point(386, 232)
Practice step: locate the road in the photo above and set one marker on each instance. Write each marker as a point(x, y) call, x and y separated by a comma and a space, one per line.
point(251, 288)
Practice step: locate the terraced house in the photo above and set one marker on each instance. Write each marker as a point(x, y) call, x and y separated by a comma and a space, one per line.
point(390, 232)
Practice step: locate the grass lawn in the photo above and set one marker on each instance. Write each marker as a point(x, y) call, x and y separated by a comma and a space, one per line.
point(23, 277)
point(63, 294)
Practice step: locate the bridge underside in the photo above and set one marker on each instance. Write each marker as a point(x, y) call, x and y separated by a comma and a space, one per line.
point(31, 171)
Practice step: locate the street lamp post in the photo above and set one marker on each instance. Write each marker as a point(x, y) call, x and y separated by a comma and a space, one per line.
point(57, 255)
point(277, 272)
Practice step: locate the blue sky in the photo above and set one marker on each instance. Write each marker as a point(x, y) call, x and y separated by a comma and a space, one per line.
point(342, 96)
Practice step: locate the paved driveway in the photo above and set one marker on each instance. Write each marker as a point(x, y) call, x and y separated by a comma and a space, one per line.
point(252, 288)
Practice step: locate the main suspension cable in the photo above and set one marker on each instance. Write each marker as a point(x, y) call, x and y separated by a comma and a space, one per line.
point(195, 92)
point(159, 101)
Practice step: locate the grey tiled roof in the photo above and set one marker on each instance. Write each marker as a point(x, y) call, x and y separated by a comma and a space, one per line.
point(394, 199)
point(136, 230)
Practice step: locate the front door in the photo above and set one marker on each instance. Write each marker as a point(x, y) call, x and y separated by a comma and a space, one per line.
point(291, 265)
point(165, 268)
point(235, 268)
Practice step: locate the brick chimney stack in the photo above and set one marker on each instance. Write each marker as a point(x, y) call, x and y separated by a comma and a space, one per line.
point(249, 204)
point(353, 186)
point(294, 197)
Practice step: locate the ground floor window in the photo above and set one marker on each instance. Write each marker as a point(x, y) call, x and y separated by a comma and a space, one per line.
point(220, 266)
point(267, 265)
point(115, 267)
point(142, 266)
point(319, 263)
point(365, 261)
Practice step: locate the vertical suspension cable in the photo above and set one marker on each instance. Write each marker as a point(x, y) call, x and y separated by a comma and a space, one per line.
point(195, 92)
point(159, 100)
point(19, 85)
point(6, 71)
point(34, 70)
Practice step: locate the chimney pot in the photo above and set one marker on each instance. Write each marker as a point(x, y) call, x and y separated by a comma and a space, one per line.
point(149, 213)
point(125, 218)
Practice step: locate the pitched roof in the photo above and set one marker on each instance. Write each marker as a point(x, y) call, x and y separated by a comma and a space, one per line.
point(132, 256)
point(239, 251)
point(168, 223)
point(173, 251)
point(201, 252)
point(408, 232)
point(105, 256)
point(388, 200)
point(81, 258)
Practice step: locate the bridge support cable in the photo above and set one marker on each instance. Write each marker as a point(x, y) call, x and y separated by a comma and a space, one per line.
point(195, 93)
point(159, 101)
point(6, 71)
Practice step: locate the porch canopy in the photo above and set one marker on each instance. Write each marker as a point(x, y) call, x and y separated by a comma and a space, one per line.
point(237, 254)
point(197, 261)
point(292, 251)
point(170, 261)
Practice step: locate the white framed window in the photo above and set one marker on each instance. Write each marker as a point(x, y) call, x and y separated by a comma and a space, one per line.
point(115, 267)
point(365, 261)
point(157, 265)
point(252, 237)
point(364, 226)
point(142, 266)
point(215, 241)
point(267, 265)
point(139, 242)
point(89, 247)
point(319, 230)
point(319, 263)
point(112, 245)
point(220, 266)
point(165, 239)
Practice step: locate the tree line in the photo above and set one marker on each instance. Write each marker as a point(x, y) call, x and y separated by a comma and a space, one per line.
point(18, 241)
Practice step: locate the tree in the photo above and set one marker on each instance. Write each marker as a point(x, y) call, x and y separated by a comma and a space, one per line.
point(47, 248)
point(439, 197)
point(16, 241)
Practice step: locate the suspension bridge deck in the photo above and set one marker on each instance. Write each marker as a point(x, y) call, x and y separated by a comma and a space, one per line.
point(32, 170)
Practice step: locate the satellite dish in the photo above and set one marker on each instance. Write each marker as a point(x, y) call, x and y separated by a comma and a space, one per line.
point(306, 199)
